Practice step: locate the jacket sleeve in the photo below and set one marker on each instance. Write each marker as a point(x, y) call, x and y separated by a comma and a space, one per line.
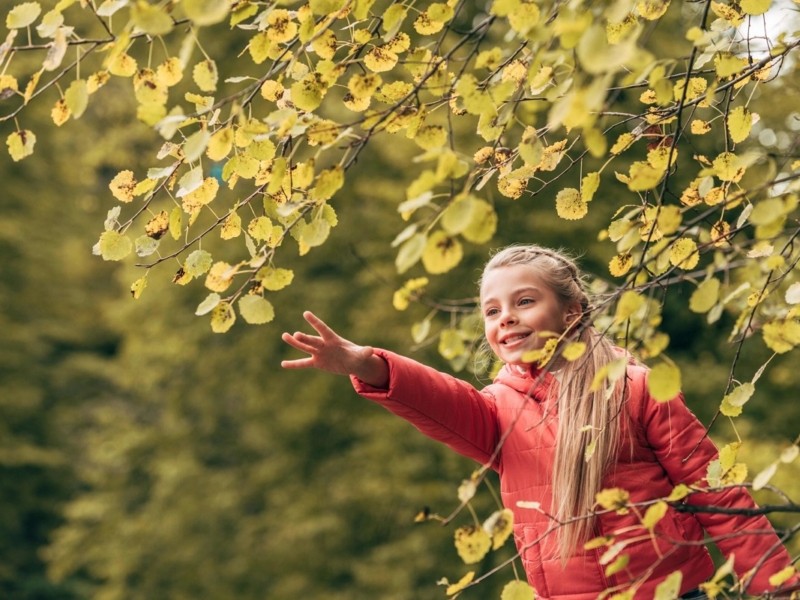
point(673, 432)
point(442, 407)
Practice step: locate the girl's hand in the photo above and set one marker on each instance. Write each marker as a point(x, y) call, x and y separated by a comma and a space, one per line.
point(331, 352)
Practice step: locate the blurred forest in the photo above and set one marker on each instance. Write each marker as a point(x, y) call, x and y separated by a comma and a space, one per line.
point(143, 456)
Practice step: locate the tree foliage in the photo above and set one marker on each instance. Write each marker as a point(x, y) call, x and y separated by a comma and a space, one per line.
point(652, 122)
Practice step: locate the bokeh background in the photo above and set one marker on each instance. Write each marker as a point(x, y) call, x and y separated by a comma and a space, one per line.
point(144, 457)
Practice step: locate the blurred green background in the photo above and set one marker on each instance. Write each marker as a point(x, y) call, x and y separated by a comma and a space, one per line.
point(144, 457)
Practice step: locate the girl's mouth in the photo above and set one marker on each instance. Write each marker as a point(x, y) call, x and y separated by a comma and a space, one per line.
point(513, 339)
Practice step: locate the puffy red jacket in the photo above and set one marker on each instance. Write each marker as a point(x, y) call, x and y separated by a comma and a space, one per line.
point(664, 434)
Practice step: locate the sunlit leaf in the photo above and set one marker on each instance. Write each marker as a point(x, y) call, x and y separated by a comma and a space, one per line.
point(461, 584)
point(206, 12)
point(441, 253)
point(114, 245)
point(740, 121)
point(472, 543)
point(670, 587)
point(256, 310)
point(517, 590)
point(222, 317)
point(205, 75)
point(705, 296)
point(664, 382)
point(20, 144)
point(23, 15)
point(570, 205)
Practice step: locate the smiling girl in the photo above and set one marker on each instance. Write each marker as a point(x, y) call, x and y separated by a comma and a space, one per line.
point(532, 425)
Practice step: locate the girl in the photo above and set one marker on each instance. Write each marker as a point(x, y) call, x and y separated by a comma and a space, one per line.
point(533, 426)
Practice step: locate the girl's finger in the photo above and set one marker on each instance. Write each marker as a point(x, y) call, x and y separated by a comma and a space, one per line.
point(318, 324)
point(296, 342)
point(299, 363)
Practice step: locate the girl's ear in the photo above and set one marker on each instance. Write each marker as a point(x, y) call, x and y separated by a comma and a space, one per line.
point(572, 314)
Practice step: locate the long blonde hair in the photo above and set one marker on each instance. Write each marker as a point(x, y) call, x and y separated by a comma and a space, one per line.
point(585, 416)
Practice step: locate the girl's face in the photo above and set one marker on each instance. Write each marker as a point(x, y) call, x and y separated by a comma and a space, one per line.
point(518, 307)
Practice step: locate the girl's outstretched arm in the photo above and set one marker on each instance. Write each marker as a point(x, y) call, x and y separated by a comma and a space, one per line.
point(331, 352)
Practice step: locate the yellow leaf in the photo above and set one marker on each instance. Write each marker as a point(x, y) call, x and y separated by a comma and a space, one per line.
point(322, 133)
point(424, 25)
point(618, 565)
point(570, 205)
point(589, 185)
point(728, 13)
point(683, 253)
point(755, 7)
point(441, 253)
point(483, 222)
point(670, 587)
point(231, 227)
point(643, 176)
point(500, 526)
point(307, 94)
point(664, 382)
point(652, 9)
point(782, 576)
point(220, 144)
point(220, 277)
point(328, 183)
point(630, 302)
point(700, 127)
point(705, 296)
point(158, 225)
point(170, 72)
point(740, 120)
point(280, 26)
point(782, 335)
point(462, 583)
point(20, 144)
point(451, 344)
point(206, 12)
point(620, 264)
point(271, 90)
point(472, 543)
point(654, 514)
point(205, 75)
point(379, 60)
point(517, 590)
point(23, 15)
point(524, 17)
point(122, 65)
point(222, 317)
point(201, 196)
point(727, 64)
point(137, 287)
point(573, 351)
point(612, 498)
point(122, 186)
point(623, 142)
point(60, 112)
point(150, 18)
point(114, 245)
point(697, 87)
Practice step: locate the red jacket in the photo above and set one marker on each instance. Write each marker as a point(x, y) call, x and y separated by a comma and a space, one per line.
point(472, 423)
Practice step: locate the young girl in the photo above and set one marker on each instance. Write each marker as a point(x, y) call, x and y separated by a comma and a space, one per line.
point(533, 425)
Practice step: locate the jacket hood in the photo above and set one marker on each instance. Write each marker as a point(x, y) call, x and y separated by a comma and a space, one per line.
point(533, 381)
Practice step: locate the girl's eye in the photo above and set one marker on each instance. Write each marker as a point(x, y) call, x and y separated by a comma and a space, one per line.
point(526, 301)
point(490, 312)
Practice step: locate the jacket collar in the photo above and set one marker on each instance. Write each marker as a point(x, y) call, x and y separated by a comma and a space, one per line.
point(533, 381)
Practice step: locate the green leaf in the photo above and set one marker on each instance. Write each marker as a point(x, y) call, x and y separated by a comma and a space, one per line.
point(114, 245)
point(664, 382)
point(198, 263)
point(23, 15)
point(256, 310)
point(410, 252)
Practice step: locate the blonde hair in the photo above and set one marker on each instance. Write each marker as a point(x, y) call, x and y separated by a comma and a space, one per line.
point(585, 416)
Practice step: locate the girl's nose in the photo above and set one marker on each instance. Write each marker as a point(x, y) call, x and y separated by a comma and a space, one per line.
point(508, 318)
